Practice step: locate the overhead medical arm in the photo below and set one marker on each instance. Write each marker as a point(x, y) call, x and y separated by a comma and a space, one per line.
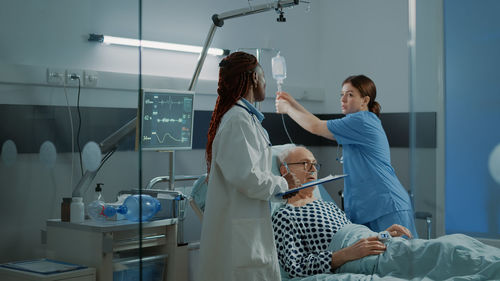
point(106, 146)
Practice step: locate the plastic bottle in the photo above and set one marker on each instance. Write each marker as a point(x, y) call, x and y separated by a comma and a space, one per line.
point(95, 209)
point(130, 208)
point(77, 214)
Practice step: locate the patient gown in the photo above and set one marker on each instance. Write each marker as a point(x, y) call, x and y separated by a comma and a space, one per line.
point(302, 236)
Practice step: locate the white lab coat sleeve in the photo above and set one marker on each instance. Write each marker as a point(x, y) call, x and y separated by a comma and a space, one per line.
point(243, 162)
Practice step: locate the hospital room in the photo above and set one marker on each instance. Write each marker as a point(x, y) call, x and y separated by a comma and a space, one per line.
point(160, 140)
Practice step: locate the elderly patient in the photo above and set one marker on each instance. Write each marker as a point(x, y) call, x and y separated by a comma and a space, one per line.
point(314, 236)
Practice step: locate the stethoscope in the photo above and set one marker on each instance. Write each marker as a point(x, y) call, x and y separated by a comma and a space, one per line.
point(259, 126)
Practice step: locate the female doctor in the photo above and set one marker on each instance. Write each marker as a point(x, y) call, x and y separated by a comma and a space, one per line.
point(237, 237)
point(373, 194)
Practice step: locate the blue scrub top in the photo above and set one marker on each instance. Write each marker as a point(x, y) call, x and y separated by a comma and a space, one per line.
point(372, 189)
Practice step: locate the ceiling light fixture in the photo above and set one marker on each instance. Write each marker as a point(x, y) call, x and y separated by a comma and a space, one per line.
point(112, 40)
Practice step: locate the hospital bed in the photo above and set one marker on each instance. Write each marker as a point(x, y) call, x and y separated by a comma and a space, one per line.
point(473, 251)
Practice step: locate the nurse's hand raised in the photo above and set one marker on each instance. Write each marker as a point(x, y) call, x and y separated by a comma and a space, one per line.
point(283, 102)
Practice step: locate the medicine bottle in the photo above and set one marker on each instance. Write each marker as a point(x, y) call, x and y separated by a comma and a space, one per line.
point(65, 209)
point(77, 212)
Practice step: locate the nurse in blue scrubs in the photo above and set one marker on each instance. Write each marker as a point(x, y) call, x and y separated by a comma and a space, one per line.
point(373, 195)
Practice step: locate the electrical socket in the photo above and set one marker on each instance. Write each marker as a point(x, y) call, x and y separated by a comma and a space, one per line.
point(55, 76)
point(90, 78)
point(71, 72)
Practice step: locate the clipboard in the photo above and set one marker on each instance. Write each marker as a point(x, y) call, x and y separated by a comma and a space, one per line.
point(312, 183)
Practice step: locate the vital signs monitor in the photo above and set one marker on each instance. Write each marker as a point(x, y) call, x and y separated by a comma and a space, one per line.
point(166, 119)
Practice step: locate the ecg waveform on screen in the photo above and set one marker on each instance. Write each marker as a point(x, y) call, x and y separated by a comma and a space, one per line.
point(167, 120)
point(162, 139)
point(168, 102)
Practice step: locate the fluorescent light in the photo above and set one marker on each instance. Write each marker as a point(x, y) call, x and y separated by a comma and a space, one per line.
point(121, 41)
point(155, 45)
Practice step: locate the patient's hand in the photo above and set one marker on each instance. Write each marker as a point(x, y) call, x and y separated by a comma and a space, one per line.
point(362, 248)
point(397, 230)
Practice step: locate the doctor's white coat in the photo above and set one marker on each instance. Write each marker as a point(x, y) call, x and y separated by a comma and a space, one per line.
point(237, 238)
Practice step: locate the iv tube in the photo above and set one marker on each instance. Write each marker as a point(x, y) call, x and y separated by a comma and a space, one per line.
point(279, 74)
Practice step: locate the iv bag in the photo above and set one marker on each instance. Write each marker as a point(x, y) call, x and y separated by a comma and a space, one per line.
point(279, 68)
point(278, 65)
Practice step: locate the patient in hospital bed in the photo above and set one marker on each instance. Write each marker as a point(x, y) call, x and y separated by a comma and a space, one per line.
point(315, 238)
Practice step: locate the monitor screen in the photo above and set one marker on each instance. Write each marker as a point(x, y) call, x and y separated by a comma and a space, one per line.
point(167, 119)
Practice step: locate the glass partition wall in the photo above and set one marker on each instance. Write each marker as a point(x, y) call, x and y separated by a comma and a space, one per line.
point(62, 96)
point(425, 49)
point(453, 62)
point(65, 95)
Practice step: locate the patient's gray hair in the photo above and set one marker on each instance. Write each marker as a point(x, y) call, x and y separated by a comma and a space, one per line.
point(288, 148)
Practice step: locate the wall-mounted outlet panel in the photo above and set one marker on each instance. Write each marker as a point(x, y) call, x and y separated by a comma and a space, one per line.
point(90, 78)
point(56, 76)
point(74, 81)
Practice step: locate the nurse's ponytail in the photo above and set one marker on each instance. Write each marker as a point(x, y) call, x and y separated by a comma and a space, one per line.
point(235, 74)
point(367, 88)
point(375, 108)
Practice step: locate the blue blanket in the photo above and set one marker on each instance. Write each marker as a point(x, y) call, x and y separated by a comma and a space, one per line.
point(450, 257)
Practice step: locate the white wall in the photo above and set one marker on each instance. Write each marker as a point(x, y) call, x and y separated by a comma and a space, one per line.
point(322, 47)
point(365, 37)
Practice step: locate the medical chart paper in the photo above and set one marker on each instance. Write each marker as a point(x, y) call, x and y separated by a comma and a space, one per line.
point(312, 183)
